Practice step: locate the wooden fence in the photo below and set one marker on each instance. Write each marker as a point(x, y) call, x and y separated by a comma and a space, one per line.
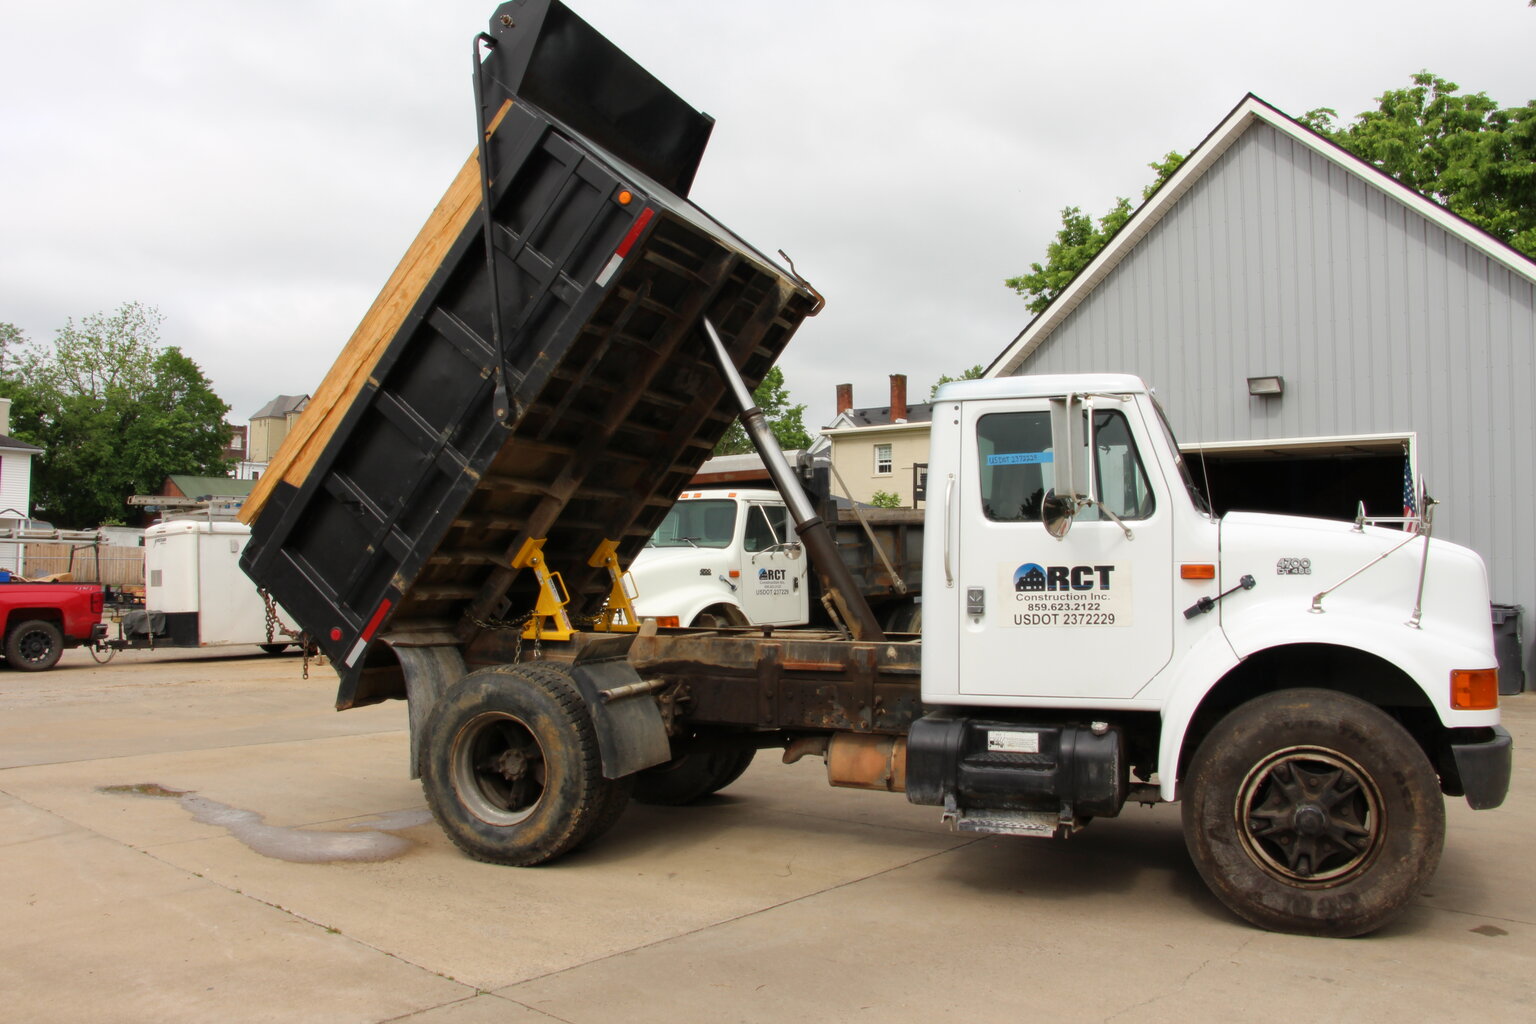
point(108, 563)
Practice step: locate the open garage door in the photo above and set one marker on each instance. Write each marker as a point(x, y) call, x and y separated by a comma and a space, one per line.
point(1327, 477)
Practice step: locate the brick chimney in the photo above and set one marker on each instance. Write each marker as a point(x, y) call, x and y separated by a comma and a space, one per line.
point(898, 398)
point(844, 398)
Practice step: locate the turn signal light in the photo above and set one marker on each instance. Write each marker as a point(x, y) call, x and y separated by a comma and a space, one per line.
point(667, 621)
point(1474, 689)
point(1197, 571)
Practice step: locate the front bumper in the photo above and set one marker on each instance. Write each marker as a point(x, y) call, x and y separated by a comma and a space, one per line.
point(1484, 768)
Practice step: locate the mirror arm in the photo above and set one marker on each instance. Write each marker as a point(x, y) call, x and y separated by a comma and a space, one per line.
point(1112, 517)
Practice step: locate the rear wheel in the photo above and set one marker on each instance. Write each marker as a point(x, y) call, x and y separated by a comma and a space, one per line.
point(511, 767)
point(34, 645)
point(1313, 812)
point(691, 777)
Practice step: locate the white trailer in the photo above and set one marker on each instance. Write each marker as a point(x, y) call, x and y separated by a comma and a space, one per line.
point(195, 594)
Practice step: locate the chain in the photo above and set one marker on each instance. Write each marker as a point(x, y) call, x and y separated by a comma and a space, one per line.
point(518, 624)
point(277, 625)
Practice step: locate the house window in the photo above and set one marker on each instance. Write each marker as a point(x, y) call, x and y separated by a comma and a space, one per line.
point(882, 460)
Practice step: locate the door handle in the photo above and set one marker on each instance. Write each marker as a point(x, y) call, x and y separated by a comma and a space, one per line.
point(976, 602)
point(949, 528)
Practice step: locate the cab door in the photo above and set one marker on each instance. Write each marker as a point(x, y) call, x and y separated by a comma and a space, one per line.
point(773, 568)
point(1087, 615)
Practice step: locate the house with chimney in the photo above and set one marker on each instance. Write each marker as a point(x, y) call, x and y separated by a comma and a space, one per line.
point(881, 448)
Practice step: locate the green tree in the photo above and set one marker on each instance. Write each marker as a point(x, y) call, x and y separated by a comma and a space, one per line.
point(114, 412)
point(1463, 152)
point(785, 420)
point(10, 338)
point(1079, 241)
point(973, 373)
point(885, 499)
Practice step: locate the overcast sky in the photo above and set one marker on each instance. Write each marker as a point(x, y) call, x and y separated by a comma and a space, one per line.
point(255, 170)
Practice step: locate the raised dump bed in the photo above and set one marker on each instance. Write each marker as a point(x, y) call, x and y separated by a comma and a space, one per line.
point(400, 502)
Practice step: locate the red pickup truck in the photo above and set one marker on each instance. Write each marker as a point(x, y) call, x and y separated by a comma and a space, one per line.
point(40, 620)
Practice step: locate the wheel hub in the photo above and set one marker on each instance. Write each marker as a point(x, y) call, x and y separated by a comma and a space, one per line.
point(1310, 816)
point(498, 769)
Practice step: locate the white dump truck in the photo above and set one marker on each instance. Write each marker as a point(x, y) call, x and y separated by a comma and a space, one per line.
point(554, 360)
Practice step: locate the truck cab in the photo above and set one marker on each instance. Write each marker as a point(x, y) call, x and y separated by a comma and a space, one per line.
point(1077, 568)
point(723, 558)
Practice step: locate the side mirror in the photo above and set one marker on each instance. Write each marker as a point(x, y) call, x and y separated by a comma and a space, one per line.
point(1056, 513)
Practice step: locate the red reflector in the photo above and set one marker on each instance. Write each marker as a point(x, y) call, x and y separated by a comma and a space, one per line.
point(1194, 571)
point(633, 234)
point(378, 617)
point(336, 633)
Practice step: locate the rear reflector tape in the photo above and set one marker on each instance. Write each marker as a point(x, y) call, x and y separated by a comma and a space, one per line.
point(627, 243)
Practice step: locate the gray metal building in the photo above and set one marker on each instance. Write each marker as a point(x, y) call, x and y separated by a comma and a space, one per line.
point(1307, 321)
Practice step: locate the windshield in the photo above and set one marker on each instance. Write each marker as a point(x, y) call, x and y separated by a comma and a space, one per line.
point(1178, 460)
point(707, 523)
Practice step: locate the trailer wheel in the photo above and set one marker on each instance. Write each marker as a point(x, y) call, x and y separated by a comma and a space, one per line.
point(691, 777)
point(34, 645)
point(511, 767)
point(1312, 812)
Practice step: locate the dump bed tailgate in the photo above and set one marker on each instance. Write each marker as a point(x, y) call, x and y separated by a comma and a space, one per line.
point(399, 501)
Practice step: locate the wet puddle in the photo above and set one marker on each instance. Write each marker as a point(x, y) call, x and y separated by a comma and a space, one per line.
point(368, 840)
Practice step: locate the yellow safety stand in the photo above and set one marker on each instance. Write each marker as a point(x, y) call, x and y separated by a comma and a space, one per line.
point(550, 620)
point(619, 605)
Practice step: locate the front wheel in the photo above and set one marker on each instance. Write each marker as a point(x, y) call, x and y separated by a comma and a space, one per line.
point(34, 645)
point(511, 767)
point(1314, 813)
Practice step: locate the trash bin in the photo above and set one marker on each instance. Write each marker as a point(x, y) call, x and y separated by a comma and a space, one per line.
point(1507, 648)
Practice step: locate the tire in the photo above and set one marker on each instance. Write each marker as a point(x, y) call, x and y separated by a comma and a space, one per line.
point(34, 645)
point(511, 768)
point(273, 648)
point(691, 777)
point(1314, 813)
point(907, 617)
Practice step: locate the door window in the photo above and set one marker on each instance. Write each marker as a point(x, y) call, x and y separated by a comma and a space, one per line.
point(767, 525)
point(1016, 467)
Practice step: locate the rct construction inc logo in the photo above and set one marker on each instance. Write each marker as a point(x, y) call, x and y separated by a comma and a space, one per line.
point(1034, 578)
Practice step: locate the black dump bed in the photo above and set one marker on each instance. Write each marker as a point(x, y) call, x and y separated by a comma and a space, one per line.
point(396, 505)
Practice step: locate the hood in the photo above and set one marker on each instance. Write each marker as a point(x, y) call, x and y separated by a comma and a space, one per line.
point(1302, 565)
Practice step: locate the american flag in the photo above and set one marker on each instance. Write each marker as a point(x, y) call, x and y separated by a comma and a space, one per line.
point(1410, 499)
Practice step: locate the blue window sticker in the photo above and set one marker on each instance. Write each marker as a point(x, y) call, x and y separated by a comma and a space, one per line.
point(1020, 459)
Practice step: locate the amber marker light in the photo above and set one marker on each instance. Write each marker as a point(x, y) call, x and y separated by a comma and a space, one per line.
point(1474, 689)
point(1197, 571)
point(626, 197)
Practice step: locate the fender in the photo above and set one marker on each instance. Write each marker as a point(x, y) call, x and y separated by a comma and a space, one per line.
point(1199, 669)
point(630, 732)
point(687, 603)
point(1426, 655)
point(1425, 658)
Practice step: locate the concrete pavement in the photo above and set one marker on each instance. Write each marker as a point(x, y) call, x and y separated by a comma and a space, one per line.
point(778, 899)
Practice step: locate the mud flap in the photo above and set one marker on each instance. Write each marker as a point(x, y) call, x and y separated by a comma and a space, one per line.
point(429, 672)
point(630, 732)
